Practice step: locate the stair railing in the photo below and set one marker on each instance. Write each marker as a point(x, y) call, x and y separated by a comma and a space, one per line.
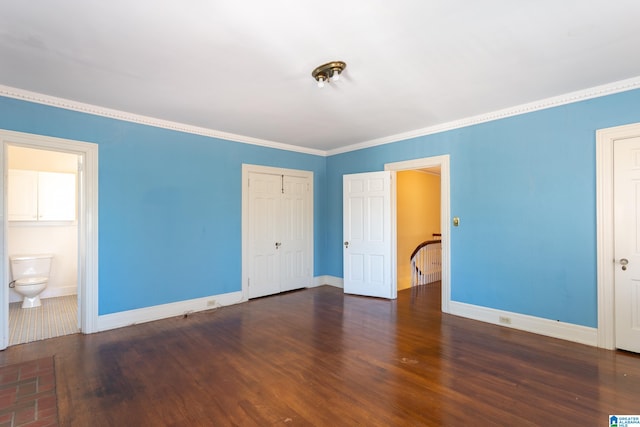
point(426, 263)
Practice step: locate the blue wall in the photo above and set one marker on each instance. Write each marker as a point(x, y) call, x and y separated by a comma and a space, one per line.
point(169, 204)
point(524, 189)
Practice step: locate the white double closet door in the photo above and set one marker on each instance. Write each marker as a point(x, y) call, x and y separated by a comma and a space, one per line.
point(280, 230)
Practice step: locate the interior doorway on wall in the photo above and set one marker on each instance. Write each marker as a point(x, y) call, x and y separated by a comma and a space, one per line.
point(42, 243)
point(277, 230)
point(436, 169)
point(418, 229)
point(87, 219)
point(617, 158)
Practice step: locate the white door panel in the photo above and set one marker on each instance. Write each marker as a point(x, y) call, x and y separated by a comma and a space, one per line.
point(295, 272)
point(280, 233)
point(627, 243)
point(264, 196)
point(369, 233)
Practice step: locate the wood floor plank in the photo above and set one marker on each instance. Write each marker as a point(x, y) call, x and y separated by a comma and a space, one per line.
point(318, 357)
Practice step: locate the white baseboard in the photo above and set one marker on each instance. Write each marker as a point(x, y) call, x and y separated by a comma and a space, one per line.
point(47, 293)
point(149, 314)
point(536, 325)
point(59, 292)
point(328, 280)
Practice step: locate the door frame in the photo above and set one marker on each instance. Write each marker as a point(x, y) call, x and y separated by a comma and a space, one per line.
point(605, 221)
point(246, 170)
point(445, 214)
point(87, 224)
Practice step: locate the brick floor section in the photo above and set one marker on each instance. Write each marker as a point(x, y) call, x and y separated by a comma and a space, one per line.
point(28, 394)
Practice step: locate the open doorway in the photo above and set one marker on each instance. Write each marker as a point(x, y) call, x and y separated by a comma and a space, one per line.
point(431, 171)
point(86, 210)
point(418, 228)
point(42, 243)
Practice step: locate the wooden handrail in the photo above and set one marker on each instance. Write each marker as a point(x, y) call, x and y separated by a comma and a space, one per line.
point(422, 245)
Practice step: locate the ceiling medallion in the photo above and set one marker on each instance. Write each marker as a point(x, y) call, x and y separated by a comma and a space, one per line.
point(329, 72)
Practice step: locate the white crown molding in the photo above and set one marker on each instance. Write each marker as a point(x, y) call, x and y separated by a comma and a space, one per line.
point(556, 101)
point(52, 101)
point(568, 98)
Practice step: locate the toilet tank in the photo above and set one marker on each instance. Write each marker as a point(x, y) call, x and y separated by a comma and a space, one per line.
point(30, 265)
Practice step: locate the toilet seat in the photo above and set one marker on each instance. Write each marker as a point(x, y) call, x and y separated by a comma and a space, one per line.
point(27, 281)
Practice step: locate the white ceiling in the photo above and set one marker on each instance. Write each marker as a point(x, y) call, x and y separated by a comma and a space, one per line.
point(243, 67)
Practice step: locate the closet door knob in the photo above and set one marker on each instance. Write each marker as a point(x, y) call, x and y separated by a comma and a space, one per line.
point(623, 263)
point(346, 245)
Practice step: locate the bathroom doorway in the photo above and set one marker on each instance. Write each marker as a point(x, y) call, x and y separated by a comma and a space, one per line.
point(72, 240)
point(42, 214)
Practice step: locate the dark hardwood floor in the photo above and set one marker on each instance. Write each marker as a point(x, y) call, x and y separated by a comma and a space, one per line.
point(318, 357)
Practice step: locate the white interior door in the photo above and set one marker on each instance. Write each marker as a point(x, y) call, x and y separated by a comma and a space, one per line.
point(295, 271)
point(265, 192)
point(369, 233)
point(627, 243)
point(279, 215)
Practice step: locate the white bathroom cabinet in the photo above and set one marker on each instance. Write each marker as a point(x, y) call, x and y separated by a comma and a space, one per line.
point(41, 196)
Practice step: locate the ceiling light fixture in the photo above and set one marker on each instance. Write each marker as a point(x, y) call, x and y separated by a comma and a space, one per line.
point(329, 72)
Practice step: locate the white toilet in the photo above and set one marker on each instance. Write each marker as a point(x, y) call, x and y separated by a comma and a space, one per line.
point(30, 275)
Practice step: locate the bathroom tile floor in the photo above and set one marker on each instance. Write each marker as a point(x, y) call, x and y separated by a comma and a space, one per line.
point(56, 317)
point(28, 394)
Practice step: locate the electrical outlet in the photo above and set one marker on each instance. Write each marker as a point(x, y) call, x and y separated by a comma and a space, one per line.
point(504, 320)
point(211, 303)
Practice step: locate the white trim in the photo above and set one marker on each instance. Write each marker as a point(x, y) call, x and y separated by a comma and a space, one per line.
point(249, 168)
point(336, 282)
point(88, 249)
point(62, 291)
point(164, 311)
point(605, 139)
point(445, 214)
point(523, 322)
point(87, 224)
point(67, 104)
point(556, 101)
